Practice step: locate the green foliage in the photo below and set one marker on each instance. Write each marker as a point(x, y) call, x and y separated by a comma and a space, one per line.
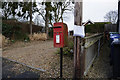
point(51, 32)
point(13, 41)
point(22, 36)
point(71, 44)
point(69, 49)
point(66, 51)
point(95, 28)
point(9, 30)
point(13, 32)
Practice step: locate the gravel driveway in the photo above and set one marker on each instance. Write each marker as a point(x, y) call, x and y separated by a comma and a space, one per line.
point(41, 55)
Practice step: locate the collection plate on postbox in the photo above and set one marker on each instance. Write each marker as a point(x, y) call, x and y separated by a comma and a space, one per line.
point(57, 38)
point(60, 34)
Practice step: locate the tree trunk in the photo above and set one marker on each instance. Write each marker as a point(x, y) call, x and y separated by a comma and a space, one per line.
point(47, 22)
point(31, 18)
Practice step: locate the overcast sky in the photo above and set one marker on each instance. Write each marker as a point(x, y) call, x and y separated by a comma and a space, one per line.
point(94, 10)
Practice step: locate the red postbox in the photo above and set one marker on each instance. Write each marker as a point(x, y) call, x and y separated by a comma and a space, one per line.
point(60, 34)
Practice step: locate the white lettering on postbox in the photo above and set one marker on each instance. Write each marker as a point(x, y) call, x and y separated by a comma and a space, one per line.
point(57, 38)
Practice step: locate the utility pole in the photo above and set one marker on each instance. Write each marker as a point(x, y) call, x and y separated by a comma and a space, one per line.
point(77, 41)
point(119, 16)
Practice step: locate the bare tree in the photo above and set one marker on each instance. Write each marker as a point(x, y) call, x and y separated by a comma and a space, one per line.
point(38, 20)
point(23, 10)
point(56, 11)
point(53, 12)
point(59, 8)
point(111, 16)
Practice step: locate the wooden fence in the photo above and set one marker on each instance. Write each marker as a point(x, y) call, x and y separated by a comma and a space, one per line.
point(90, 49)
point(110, 27)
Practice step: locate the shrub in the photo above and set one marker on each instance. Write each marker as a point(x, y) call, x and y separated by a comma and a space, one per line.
point(95, 28)
point(13, 32)
point(38, 36)
point(69, 49)
point(3, 40)
point(51, 32)
point(10, 31)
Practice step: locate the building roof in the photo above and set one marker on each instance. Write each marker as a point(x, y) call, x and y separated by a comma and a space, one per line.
point(88, 22)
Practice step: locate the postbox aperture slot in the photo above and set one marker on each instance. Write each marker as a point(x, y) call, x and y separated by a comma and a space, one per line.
point(57, 27)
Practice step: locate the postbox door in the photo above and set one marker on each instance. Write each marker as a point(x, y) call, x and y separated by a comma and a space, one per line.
point(58, 40)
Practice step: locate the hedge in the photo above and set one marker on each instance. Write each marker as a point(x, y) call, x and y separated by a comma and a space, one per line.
point(13, 32)
point(95, 28)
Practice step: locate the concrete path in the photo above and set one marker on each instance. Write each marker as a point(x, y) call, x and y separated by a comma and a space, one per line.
point(101, 66)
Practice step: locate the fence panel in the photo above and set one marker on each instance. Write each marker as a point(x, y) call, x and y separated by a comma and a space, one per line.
point(110, 27)
point(91, 49)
